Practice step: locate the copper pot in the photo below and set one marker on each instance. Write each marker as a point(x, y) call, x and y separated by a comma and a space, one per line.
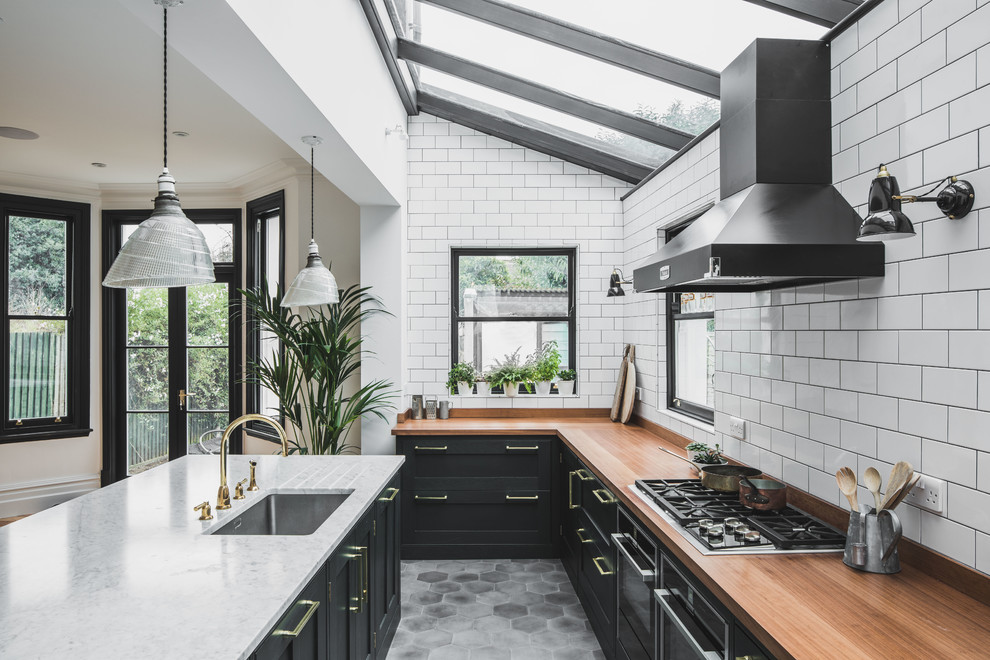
point(762, 494)
point(725, 478)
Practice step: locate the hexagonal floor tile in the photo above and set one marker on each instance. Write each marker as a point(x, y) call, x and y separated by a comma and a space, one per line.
point(445, 587)
point(431, 576)
point(510, 610)
point(440, 610)
point(490, 653)
point(424, 598)
point(431, 639)
point(450, 653)
point(566, 624)
point(494, 576)
point(546, 610)
point(568, 654)
point(455, 624)
point(524, 653)
point(529, 624)
point(464, 577)
point(472, 639)
point(562, 599)
point(510, 567)
point(528, 598)
point(550, 639)
point(510, 639)
point(475, 610)
point(478, 587)
point(417, 623)
point(540, 567)
point(493, 597)
point(460, 598)
point(491, 623)
point(511, 587)
point(541, 588)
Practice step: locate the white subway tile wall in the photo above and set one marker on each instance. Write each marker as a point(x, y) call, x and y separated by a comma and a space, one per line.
point(862, 373)
point(470, 189)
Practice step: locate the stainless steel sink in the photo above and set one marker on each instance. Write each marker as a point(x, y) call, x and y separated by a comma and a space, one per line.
point(284, 514)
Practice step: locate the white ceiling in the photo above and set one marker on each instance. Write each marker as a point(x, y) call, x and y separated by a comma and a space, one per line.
point(87, 77)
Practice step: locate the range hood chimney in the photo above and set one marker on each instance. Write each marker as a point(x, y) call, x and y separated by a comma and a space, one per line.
point(780, 222)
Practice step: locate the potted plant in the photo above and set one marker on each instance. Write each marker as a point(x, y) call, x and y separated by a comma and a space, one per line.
point(565, 382)
point(461, 376)
point(484, 384)
point(702, 455)
point(320, 354)
point(509, 374)
point(545, 364)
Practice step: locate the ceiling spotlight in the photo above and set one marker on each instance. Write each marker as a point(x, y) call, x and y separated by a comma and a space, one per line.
point(98, 164)
point(15, 133)
point(398, 131)
point(180, 134)
point(886, 221)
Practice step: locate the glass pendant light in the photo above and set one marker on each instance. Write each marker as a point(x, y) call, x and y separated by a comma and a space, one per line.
point(315, 284)
point(167, 249)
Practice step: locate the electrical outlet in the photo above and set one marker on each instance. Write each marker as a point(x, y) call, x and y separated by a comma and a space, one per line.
point(928, 494)
point(737, 428)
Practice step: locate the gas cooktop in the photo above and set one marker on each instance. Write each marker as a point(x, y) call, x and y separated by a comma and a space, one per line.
point(717, 523)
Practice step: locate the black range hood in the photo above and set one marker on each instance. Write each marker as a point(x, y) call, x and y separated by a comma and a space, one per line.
point(780, 222)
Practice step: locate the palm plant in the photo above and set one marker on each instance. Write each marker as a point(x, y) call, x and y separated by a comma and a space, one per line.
point(320, 352)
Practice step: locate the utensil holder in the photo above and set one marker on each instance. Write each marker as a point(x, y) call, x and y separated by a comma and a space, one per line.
point(444, 411)
point(871, 541)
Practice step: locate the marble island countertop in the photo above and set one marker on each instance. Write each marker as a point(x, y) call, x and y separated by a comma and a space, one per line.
point(129, 571)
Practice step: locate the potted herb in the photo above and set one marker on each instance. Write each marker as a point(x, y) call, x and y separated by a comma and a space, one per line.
point(565, 382)
point(509, 374)
point(702, 455)
point(546, 364)
point(483, 381)
point(461, 376)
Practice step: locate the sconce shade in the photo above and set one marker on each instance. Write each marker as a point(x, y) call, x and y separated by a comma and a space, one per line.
point(885, 220)
point(165, 250)
point(614, 286)
point(314, 286)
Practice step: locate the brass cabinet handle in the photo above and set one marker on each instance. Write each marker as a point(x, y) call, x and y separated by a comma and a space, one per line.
point(530, 498)
point(430, 497)
point(523, 448)
point(604, 496)
point(365, 591)
point(584, 475)
point(598, 561)
point(581, 536)
point(313, 605)
point(418, 448)
point(570, 490)
point(360, 599)
point(391, 496)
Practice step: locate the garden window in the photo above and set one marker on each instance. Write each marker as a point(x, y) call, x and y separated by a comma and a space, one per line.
point(46, 324)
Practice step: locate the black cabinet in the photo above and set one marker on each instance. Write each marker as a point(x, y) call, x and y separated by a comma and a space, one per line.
point(350, 610)
point(478, 497)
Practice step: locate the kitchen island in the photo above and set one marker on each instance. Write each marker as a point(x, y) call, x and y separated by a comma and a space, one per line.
point(130, 571)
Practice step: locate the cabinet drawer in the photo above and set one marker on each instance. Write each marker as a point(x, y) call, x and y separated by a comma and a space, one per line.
point(484, 464)
point(596, 587)
point(599, 503)
point(488, 518)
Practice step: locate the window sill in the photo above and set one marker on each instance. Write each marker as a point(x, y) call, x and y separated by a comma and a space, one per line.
point(687, 419)
point(59, 434)
point(518, 396)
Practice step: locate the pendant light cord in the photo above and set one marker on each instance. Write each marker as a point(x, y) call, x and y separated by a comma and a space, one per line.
point(312, 195)
point(165, 86)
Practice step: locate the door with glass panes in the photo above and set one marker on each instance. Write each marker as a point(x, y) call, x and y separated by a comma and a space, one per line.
point(172, 354)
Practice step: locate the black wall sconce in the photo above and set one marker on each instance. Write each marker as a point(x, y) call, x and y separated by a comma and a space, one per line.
point(615, 282)
point(886, 221)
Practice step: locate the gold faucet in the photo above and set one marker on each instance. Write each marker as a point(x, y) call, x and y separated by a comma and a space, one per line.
point(223, 494)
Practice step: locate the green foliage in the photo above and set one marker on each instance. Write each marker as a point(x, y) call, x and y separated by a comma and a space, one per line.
point(545, 362)
point(567, 374)
point(37, 265)
point(704, 454)
point(510, 372)
point(462, 372)
point(320, 353)
point(515, 272)
point(690, 119)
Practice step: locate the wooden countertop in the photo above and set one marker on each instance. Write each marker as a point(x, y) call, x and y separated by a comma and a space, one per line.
point(798, 606)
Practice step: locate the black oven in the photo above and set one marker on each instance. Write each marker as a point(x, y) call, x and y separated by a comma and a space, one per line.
point(688, 627)
point(636, 579)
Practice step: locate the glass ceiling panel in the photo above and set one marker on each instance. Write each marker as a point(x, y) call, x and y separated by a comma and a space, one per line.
point(564, 70)
point(706, 32)
point(619, 144)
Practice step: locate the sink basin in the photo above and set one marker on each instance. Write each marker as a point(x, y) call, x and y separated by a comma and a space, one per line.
point(284, 514)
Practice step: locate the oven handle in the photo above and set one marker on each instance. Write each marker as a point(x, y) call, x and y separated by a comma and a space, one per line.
point(619, 540)
point(661, 596)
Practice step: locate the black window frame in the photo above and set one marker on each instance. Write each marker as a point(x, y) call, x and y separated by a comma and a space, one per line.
point(75, 423)
point(672, 314)
point(455, 317)
point(258, 211)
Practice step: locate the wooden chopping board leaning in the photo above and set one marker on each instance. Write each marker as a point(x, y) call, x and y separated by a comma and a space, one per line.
point(625, 387)
point(620, 386)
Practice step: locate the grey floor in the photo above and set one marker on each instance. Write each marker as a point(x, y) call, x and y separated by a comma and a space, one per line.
point(513, 609)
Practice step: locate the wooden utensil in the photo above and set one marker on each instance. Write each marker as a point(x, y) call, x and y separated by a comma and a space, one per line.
point(907, 488)
point(871, 479)
point(899, 476)
point(620, 386)
point(629, 393)
point(847, 484)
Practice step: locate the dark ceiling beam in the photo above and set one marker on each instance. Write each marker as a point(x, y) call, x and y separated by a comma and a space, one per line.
point(386, 40)
point(587, 42)
point(576, 106)
point(540, 136)
point(826, 13)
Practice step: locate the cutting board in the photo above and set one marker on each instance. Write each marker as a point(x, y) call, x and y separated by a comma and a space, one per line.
point(620, 386)
point(629, 390)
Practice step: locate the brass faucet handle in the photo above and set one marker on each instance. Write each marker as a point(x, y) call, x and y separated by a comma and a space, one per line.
point(253, 486)
point(239, 489)
point(223, 497)
point(205, 512)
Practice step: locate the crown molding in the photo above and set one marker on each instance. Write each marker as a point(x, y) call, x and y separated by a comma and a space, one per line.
point(14, 183)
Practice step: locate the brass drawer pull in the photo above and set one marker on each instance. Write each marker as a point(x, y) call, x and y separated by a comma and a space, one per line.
point(584, 475)
point(530, 498)
point(418, 448)
point(598, 561)
point(570, 490)
point(388, 498)
point(581, 536)
point(523, 448)
point(604, 496)
point(313, 604)
point(430, 497)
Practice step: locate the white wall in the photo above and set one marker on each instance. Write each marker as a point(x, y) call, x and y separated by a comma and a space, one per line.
point(865, 373)
point(469, 189)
